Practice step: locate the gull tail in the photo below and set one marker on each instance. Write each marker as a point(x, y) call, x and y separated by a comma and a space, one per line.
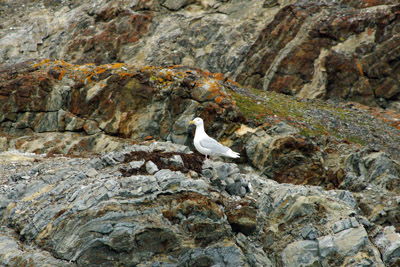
point(233, 154)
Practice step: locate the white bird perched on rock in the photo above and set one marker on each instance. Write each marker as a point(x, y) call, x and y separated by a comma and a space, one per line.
point(207, 145)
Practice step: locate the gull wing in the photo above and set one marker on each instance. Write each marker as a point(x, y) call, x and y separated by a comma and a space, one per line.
point(213, 145)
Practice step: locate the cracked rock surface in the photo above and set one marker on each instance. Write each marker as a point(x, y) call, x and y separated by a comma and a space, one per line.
point(75, 211)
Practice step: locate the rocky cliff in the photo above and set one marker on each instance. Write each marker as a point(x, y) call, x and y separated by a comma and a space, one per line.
point(339, 49)
point(87, 182)
point(97, 166)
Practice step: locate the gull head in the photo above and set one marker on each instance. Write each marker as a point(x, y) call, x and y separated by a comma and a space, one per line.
point(197, 121)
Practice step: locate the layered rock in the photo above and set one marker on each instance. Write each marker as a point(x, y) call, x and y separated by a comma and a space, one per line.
point(328, 49)
point(116, 100)
point(89, 212)
point(317, 183)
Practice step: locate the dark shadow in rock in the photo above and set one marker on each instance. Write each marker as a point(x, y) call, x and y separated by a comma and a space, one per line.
point(193, 161)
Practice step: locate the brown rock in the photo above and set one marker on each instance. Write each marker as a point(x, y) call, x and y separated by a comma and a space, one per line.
point(243, 219)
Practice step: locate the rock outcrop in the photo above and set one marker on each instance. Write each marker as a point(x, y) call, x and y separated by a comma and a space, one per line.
point(94, 212)
point(116, 100)
point(78, 189)
point(327, 49)
point(96, 158)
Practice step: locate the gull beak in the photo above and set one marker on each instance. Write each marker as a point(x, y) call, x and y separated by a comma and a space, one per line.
point(191, 122)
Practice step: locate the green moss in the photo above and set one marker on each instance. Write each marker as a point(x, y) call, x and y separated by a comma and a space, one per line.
point(269, 107)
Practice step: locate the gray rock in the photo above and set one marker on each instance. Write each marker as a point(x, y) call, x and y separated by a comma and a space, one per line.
point(136, 164)
point(96, 163)
point(91, 127)
point(223, 170)
point(177, 4)
point(354, 222)
point(364, 168)
point(301, 253)
point(81, 175)
point(327, 246)
point(13, 253)
point(388, 242)
point(208, 173)
point(108, 160)
point(167, 178)
point(347, 243)
point(282, 128)
point(140, 185)
point(215, 256)
point(168, 147)
point(176, 161)
point(17, 176)
point(309, 233)
point(341, 225)
point(198, 185)
point(118, 156)
point(236, 189)
point(91, 172)
point(351, 241)
point(151, 167)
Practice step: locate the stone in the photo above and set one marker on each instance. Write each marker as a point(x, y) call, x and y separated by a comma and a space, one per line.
point(301, 253)
point(327, 246)
point(237, 189)
point(341, 225)
point(350, 241)
point(151, 168)
point(225, 169)
point(176, 161)
point(13, 252)
point(167, 179)
point(91, 172)
point(282, 128)
point(108, 160)
point(354, 222)
point(191, 221)
point(243, 219)
point(91, 127)
point(96, 163)
point(363, 168)
point(208, 173)
point(136, 164)
point(388, 242)
point(177, 4)
point(309, 233)
point(80, 79)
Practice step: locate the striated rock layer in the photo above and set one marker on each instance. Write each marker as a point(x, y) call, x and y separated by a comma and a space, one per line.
point(346, 49)
point(96, 169)
point(97, 212)
point(116, 100)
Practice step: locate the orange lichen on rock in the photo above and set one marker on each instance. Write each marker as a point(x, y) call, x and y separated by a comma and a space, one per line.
point(219, 99)
point(219, 76)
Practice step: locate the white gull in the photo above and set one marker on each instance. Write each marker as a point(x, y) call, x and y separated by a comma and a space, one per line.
point(207, 145)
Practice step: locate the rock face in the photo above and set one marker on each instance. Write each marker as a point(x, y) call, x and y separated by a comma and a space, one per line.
point(96, 161)
point(175, 217)
point(345, 49)
point(116, 100)
point(78, 190)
